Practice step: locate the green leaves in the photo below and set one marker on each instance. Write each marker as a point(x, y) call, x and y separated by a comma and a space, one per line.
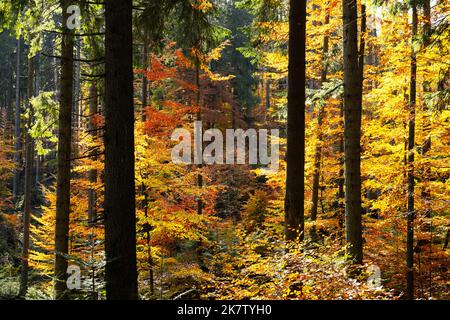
point(45, 120)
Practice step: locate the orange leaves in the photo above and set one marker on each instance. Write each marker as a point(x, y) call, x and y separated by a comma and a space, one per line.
point(160, 123)
point(202, 5)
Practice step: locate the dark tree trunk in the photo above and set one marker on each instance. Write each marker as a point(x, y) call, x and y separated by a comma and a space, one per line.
point(93, 112)
point(198, 118)
point(76, 99)
point(17, 112)
point(447, 238)
point(426, 145)
point(320, 116)
point(352, 131)
point(267, 98)
point(411, 183)
point(427, 18)
point(27, 189)
point(362, 45)
point(64, 155)
point(37, 87)
point(148, 229)
point(145, 79)
point(92, 176)
point(120, 218)
point(341, 178)
point(295, 185)
point(9, 106)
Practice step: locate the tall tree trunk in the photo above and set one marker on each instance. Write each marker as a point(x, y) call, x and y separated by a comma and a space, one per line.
point(17, 113)
point(198, 118)
point(28, 185)
point(320, 116)
point(411, 183)
point(341, 177)
point(426, 145)
point(427, 18)
point(266, 111)
point(9, 106)
point(120, 219)
point(92, 176)
point(64, 155)
point(76, 98)
point(352, 131)
point(295, 185)
point(147, 229)
point(362, 45)
point(92, 127)
point(145, 79)
point(37, 87)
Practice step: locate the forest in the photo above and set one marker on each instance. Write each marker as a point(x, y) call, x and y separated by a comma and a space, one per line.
point(224, 150)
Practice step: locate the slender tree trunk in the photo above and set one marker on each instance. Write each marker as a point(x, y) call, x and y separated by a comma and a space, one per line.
point(17, 112)
point(145, 79)
point(37, 89)
point(92, 176)
point(426, 145)
point(120, 219)
point(55, 69)
point(427, 18)
point(352, 132)
point(93, 112)
point(76, 99)
point(267, 98)
point(411, 183)
point(320, 116)
point(198, 118)
point(295, 185)
point(64, 155)
point(9, 106)
point(28, 185)
point(148, 229)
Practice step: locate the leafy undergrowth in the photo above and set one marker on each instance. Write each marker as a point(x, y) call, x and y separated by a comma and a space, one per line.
point(261, 266)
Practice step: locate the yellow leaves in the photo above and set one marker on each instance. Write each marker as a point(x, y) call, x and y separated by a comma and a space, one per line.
point(216, 53)
point(277, 61)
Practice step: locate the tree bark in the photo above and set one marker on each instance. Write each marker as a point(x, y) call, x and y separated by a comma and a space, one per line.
point(320, 116)
point(37, 87)
point(341, 174)
point(76, 98)
point(266, 111)
point(352, 131)
point(28, 185)
point(64, 156)
point(17, 112)
point(198, 118)
point(295, 185)
point(120, 218)
point(427, 18)
point(92, 176)
point(411, 182)
point(93, 111)
point(145, 79)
